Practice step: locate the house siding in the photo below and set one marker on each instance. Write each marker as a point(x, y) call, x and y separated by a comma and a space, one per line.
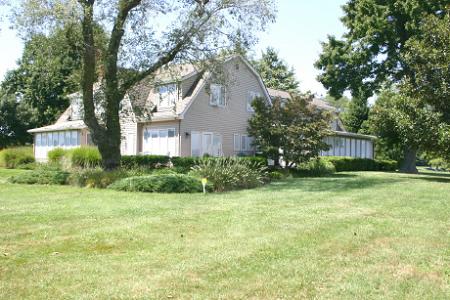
point(226, 121)
point(128, 129)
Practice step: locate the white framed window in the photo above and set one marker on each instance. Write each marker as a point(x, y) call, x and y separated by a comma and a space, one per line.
point(237, 142)
point(206, 143)
point(38, 139)
point(251, 96)
point(217, 96)
point(243, 143)
point(168, 95)
point(159, 141)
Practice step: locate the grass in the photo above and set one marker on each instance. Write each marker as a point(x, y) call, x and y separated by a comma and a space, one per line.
point(352, 235)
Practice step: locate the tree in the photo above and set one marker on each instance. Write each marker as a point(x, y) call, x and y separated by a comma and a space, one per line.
point(428, 57)
point(275, 73)
point(371, 55)
point(405, 122)
point(47, 72)
point(356, 114)
point(294, 126)
point(15, 119)
point(196, 31)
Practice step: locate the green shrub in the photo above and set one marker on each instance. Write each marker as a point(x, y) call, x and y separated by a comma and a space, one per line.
point(42, 175)
point(95, 178)
point(345, 164)
point(165, 183)
point(184, 164)
point(315, 168)
point(85, 157)
point(146, 161)
point(259, 160)
point(229, 173)
point(56, 155)
point(439, 164)
point(278, 174)
point(386, 165)
point(11, 158)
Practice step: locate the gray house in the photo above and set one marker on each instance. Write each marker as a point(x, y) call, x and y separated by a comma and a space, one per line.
point(189, 113)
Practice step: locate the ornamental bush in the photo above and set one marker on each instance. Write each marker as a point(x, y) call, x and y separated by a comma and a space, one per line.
point(348, 164)
point(315, 168)
point(56, 155)
point(42, 175)
point(146, 161)
point(164, 183)
point(11, 158)
point(95, 178)
point(85, 157)
point(231, 173)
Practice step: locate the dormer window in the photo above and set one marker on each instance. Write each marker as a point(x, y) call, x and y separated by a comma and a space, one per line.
point(217, 97)
point(168, 95)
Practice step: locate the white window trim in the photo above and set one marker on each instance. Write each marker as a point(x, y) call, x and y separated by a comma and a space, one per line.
point(250, 98)
point(222, 88)
point(237, 148)
point(212, 134)
point(150, 129)
point(161, 98)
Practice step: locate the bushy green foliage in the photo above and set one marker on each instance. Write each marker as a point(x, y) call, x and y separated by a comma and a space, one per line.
point(257, 160)
point(147, 161)
point(440, 164)
point(164, 183)
point(296, 127)
point(56, 155)
point(85, 157)
point(42, 175)
point(184, 164)
point(275, 72)
point(315, 168)
point(348, 164)
point(11, 158)
point(278, 174)
point(230, 173)
point(95, 178)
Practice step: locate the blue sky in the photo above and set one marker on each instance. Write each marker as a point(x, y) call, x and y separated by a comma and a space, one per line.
point(300, 27)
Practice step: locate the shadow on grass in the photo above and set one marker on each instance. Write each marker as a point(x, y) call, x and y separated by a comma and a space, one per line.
point(346, 182)
point(335, 183)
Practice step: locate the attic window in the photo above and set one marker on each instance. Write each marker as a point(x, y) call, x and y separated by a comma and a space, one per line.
point(217, 97)
point(167, 95)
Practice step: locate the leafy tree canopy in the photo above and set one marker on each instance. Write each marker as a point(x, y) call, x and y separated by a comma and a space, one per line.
point(371, 52)
point(294, 126)
point(144, 35)
point(275, 72)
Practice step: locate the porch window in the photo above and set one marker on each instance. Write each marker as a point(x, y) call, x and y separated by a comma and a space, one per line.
point(159, 141)
point(206, 143)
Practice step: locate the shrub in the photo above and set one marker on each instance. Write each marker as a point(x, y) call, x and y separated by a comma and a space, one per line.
point(184, 164)
point(259, 160)
point(387, 165)
point(42, 175)
point(278, 174)
point(95, 178)
point(13, 157)
point(85, 157)
point(56, 155)
point(165, 183)
point(147, 161)
point(315, 168)
point(229, 173)
point(344, 164)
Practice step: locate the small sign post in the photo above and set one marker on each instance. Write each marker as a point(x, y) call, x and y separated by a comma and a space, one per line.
point(204, 182)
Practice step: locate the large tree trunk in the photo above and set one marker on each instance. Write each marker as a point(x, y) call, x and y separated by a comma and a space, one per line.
point(409, 163)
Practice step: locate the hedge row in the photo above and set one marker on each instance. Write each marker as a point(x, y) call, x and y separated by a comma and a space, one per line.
point(347, 164)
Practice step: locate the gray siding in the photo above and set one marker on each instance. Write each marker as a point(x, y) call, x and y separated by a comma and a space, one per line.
point(226, 121)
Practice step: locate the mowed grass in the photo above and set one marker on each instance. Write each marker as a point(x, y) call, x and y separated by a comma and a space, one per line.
point(350, 236)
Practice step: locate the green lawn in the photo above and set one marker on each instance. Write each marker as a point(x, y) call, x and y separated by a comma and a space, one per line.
point(353, 235)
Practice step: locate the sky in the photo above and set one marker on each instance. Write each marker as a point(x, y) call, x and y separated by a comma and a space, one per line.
point(300, 27)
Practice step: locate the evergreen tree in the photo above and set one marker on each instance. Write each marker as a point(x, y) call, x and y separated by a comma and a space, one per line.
point(275, 72)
